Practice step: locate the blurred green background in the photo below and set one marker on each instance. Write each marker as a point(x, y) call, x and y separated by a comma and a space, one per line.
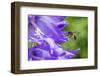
point(79, 25)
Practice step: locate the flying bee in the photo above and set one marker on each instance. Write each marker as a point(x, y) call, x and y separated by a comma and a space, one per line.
point(72, 35)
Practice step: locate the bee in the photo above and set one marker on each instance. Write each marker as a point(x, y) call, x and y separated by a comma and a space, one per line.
point(72, 35)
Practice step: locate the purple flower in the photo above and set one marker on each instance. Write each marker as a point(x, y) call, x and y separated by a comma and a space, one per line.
point(49, 26)
point(50, 51)
point(47, 32)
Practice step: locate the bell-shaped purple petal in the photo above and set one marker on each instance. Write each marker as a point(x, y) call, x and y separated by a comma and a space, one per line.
point(49, 27)
point(38, 53)
point(71, 53)
point(50, 30)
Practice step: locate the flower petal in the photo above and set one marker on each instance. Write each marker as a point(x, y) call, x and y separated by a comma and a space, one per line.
point(50, 30)
point(71, 53)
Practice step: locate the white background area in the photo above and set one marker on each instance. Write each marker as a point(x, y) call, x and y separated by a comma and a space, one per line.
point(5, 35)
point(25, 64)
